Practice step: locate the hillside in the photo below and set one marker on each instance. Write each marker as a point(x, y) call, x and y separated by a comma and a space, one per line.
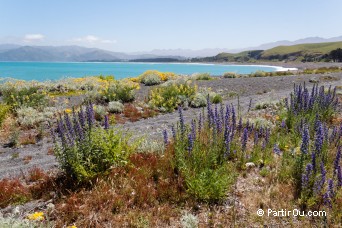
point(300, 52)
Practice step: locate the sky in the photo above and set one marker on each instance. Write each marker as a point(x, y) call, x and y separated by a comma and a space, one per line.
point(144, 25)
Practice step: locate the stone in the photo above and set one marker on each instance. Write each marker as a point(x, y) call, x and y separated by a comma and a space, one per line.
point(250, 165)
point(313, 80)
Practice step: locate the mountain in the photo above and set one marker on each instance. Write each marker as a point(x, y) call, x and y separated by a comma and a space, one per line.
point(6, 47)
point(68, 54)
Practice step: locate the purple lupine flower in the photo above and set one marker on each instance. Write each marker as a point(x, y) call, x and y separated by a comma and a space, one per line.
point(283, 125)
point(181, 121)
point(276, 149)
point(78, 130)
point(226, 141)
point(339, 177)
point(313, 160)
point(267, 135)
point(305, 140)
point(256, 138)
point(193, 129)
point(333, 134)
point(70, 129)
point(166, 140)
point(319, 183)
point(106, 122)
point(81, 118)
point(173, 131)
point(319, 139)
point(90, 115)
point(337, 159)
point(190, 143)
point(326, 200)
point(331, 188)
point(209, 111)
point(233, 118)
point(306, 176)
point(249, 105)
point(227, 116)
point(244, 139)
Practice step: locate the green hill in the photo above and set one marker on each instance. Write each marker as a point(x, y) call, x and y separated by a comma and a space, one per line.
point(300, 52)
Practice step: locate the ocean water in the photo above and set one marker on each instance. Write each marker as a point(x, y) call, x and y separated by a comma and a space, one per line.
point(42, 71)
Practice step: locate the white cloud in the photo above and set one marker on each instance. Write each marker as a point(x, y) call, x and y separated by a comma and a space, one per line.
point(93, 39)
point(33, 37)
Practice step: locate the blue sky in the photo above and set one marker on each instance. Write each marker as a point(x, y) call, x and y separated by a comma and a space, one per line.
point(143, 25)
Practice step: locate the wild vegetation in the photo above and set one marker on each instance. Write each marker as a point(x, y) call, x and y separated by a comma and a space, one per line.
point(290, 149)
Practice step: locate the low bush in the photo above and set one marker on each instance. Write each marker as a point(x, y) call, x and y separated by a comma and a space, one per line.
point(171, 95)
point(151, 79)
point(202, 76)
point(23, 96)
point(29, 117)
point(4, 110)
point(198, 100)
point(231, 75)
point(115, 107)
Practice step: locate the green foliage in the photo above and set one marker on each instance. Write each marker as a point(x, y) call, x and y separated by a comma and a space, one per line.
point(25, 96)
point(151, 79)
point(202, 76)
point(170, 96)
point(198, 100)
point(4, 110)
point(118, 91)
point(108, 78)
point(101, 150)
point(29, 117)
point(215, 98)
point(115, 107)
point(231, 75)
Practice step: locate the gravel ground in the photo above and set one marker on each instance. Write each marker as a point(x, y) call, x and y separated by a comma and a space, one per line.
point(258, 89)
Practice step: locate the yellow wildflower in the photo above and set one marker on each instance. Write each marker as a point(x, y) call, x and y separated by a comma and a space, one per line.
point(36, 216)
point(73, 226)
point(277, 117)
point(68, 110)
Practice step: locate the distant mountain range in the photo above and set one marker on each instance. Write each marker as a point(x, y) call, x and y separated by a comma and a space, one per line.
point(9, 52)
point(13, 52)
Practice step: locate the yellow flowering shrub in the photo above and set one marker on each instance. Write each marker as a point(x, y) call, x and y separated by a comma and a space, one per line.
point(167, 98)
point(162, 76)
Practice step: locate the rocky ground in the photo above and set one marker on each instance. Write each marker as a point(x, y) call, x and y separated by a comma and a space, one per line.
point(16, 161)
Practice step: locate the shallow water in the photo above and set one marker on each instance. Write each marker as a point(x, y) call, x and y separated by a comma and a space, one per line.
point(55, 70)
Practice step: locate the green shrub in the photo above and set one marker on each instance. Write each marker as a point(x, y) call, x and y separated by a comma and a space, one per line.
point(115, 107)
point(231, 75)
point(100, 112)
point(119, 91)
point(172, 95)
point(31, 96)
point(202, 76)
point(215, 98)
point(198, 100)
point(29, 117)
point(88, 151)
point(151, 79)
point(259, 73)
point(4, 109)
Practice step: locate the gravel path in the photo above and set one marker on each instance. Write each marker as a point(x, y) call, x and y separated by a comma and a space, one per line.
point(259, 89)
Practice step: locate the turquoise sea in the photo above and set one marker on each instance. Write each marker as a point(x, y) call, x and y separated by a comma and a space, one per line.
point(56, 70)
